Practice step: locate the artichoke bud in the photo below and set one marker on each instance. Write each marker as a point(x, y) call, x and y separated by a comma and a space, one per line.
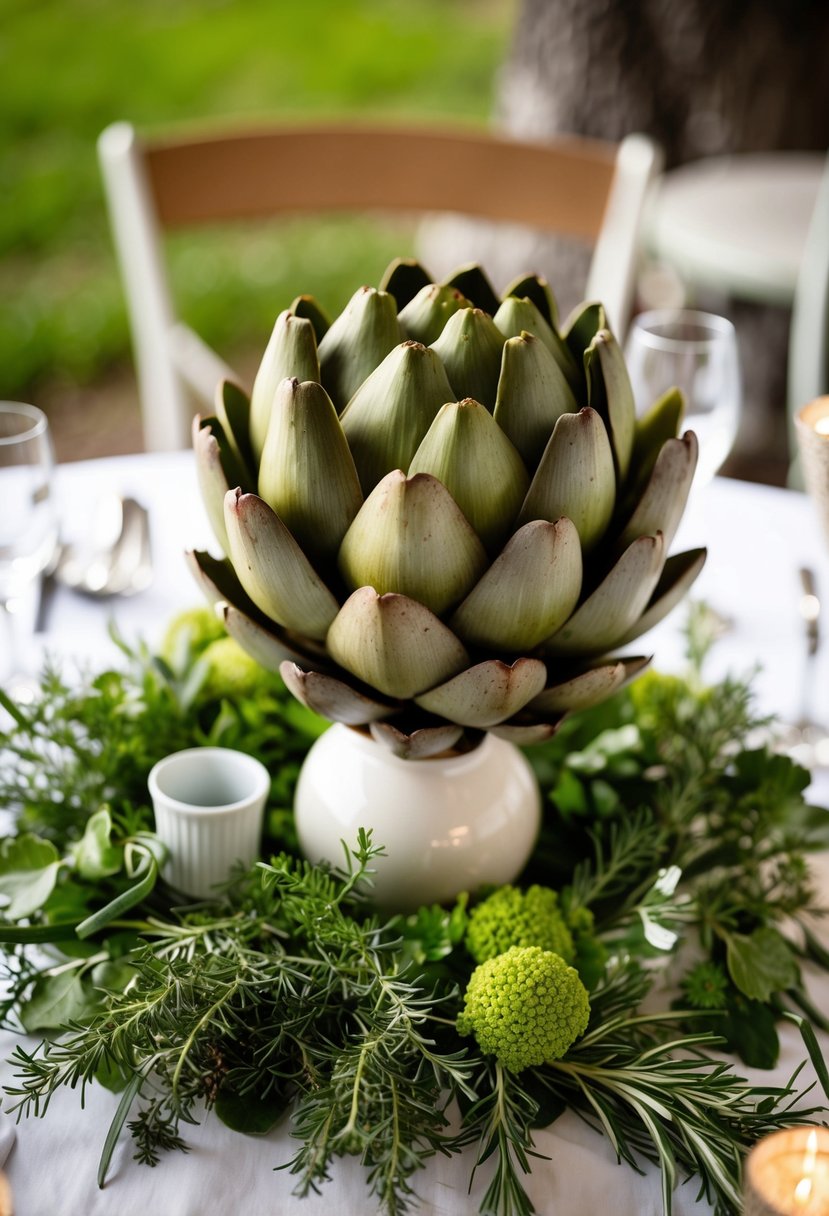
point(662, 421)
point(359, 339)
point(386, 419)
point(472, 282)
point(404, 278)
point(272, 568)
point(411, 537)
point(532, 395)
point(575, 477)
point(309, 309)
point(307, 472)
point(536, 288)
point(581, 327)
point(233, 412)
point(424, 317)
point(467, 451)
point(291, 351)
point(470, 350)
point(214, 462)
point(516, 316)
point(394, 644)
point(528, 592)
point(610, 394)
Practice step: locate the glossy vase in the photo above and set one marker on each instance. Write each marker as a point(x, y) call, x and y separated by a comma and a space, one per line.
point(448, 824)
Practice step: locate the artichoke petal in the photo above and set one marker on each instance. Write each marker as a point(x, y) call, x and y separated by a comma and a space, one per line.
point(307, 475)
point(660, 423)
point(486, 694)
point(575, 477)
point(536, 288)
point(470, 350)
point(232, 406)
point(410, 536)
point(660, 507)
point(532, 395)
point(467, 451)
point(609, 392)
point(272, 568)
point(404, 278)
point(269, 646)
point(421, 744)
point(357, 341)
point(387, 418)
point(680, 572)
point(588, 688)
point(605, 617)
point(529, 590)
point(333, 698)
point(517, 316)
point(579, 330)
point(307, 308)
point(394, 644)
point(471, 281)
point(524, 732)
point(424, 317)
point(219, 581)
point(208, 440)
point(291, 351)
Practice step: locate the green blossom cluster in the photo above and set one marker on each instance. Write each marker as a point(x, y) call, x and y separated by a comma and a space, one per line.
point(510, 917)
point(526, 1007)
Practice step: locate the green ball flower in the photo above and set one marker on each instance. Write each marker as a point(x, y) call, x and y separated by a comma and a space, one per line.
point(510, 917)
point(230, 671)
point(189, 633)
point(526, 1007)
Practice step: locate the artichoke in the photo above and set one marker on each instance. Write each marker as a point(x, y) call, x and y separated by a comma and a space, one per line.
point(440, 513)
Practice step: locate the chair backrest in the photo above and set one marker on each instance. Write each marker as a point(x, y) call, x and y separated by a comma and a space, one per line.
point(586, 189)
point(808, 364)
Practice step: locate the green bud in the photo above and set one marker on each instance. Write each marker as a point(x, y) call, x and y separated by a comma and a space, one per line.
point(532, 395)
point(291, 351)
point(386, 419)
point(467, 451)
point(470, 350)
point(425, 317)
point(410, 536)
point(575, 478)
point(357, 341)
point(307, 474)
point(394, 644)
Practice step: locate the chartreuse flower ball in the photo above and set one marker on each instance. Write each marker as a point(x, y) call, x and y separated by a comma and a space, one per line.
point(526, 1007)
point(510, 917)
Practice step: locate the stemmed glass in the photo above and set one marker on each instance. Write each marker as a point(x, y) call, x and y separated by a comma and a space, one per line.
point(697, 353)
point(28, 529)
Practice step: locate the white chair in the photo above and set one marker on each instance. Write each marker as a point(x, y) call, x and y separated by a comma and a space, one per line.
point(586, 189)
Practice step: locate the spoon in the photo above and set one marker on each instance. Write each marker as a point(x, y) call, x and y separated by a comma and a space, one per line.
point(115, 559)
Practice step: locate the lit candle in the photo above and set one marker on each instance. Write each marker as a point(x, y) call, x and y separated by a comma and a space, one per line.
point(787, 1174)
point(812, 429)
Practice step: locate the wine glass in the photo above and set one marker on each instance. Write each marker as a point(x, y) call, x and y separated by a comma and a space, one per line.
point(697, 353)
point(28, 528)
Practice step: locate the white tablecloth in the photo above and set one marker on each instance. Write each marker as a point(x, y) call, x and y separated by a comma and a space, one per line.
point(757, 538)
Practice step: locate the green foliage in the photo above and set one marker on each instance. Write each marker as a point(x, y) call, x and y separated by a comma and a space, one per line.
point(61, 308)
point(510, 917)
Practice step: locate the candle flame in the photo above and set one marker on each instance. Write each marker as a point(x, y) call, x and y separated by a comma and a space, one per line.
point(803, 1190)
point(822, 425)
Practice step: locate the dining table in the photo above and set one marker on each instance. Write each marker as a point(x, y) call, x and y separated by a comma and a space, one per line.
point(759, 539)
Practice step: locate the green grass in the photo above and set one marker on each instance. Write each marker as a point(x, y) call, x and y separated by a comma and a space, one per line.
point(70, 67)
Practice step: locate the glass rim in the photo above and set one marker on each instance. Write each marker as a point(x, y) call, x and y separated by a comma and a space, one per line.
point(39, 421)
point(711, 324)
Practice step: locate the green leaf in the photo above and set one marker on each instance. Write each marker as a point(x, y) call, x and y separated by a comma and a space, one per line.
point(55, 1001)
point(760, 963)
point(248, 1113)
point(28, 871)
point(115, 1126)
point(749, 1030)
point(123, 902)
point(95, 855)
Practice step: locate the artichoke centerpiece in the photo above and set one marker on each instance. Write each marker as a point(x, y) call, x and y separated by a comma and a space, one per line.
point(440, 514)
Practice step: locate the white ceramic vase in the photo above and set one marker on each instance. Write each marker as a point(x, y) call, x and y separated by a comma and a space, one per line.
point(448, 824)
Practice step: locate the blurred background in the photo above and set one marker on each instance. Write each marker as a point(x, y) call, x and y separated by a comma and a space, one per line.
point(702, 80)
point(70, 67)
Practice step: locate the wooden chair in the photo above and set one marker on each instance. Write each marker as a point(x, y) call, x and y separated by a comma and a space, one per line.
point(585, 189)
